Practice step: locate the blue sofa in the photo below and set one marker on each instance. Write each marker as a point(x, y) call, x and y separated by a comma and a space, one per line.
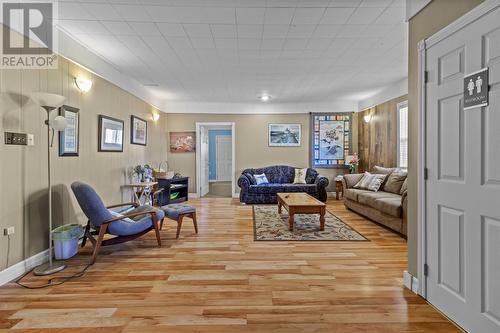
point(280, 180)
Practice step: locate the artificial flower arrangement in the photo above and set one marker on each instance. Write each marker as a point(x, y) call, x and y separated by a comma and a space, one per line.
point(353, 163)
point(144, 172)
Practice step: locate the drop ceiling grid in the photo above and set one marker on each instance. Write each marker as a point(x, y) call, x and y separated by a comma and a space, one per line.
point(230, 50)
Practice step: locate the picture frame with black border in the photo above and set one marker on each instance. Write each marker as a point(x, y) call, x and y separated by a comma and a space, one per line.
point(69, 138)
point(110, 135)
point(138, 131)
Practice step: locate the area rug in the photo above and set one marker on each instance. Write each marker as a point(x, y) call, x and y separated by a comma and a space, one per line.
point(271, 226)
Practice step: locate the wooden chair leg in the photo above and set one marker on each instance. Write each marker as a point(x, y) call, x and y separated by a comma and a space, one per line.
point(87, 230)
point(102, 232)
point(179, 225)
point(195, 223)
point(157, 231)
point(161, 223)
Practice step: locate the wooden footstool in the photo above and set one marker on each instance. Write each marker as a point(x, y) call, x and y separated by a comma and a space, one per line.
point(177, 212)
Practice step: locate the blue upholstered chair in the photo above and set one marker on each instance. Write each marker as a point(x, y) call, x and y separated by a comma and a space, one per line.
point(130, 222)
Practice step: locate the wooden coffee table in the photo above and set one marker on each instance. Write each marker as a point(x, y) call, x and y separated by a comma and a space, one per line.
point(301, 203)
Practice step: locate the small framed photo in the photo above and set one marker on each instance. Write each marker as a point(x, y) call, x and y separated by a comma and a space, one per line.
point(110, 134)
point(138, 131)
point(70, 137)
point(285, 135)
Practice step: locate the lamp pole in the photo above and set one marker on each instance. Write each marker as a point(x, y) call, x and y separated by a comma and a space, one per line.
point(52, 266)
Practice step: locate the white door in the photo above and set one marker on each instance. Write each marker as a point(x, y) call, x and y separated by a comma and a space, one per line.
point(463, 183)
point(203, 161)
point(223, 157)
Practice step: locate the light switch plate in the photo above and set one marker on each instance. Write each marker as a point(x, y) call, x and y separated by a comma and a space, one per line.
point(31, 139)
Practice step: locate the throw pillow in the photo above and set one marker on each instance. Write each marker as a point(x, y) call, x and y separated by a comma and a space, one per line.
point(251, 178)
point(381, 170)
point(404, 188)
point(261, 179)
point(300, 176)
point(395, 181)
point(371, 182)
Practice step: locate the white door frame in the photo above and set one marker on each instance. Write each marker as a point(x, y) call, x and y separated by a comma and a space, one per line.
point(475, 14)
point(233, 154)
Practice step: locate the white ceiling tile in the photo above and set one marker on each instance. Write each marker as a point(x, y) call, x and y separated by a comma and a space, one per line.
point(308, 15)
point(295, 43)
point(326, 30)
point(344, 3)
point(301, 31)
point(171, 29)
point(336, 15)
point(278, 15)
point(375, 3)
point(365, 15)
point(145, 28)
point(224, 31)
point(71, 10)
point(249, 44)
point(118, 27)
point(198, 30)
point(272, 43)
point(202, 43)
point(250, 15)
point(226, 43)
point(250, 30)
point(391, 15)
point(132, 13)
point(101, 11)
point(275, 31)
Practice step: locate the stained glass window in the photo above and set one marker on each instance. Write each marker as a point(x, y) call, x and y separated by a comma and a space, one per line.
point(331, 139)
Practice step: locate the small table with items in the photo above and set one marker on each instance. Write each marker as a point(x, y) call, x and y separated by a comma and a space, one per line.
point(143, 190)
point(339, 187)
point(301, 203)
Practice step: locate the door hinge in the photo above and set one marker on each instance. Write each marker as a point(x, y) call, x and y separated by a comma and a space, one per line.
point(426, 173)
point(426, 76)
point(426, 269)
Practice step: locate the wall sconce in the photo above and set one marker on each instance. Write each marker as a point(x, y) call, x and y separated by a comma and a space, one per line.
point(155, 116)
point(367, 118)
point(83, 84)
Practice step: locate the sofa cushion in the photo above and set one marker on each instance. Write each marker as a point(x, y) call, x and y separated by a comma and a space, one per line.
point(273, 188)
point(388, 203)
point(300, 176)
point(261, 179)
point(390, 206)
point(382, 170)
point(395, 181)
point(372, 182)
point(404, 187)
point(251, 178)
point(353, 193)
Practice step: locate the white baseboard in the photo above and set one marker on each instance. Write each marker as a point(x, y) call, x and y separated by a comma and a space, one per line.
point(410, 282)
point(15, 271)
point(236, 195)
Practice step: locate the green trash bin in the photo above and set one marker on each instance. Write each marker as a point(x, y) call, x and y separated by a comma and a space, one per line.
point(65, 239)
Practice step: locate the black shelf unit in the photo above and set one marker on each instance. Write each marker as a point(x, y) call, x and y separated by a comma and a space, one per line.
point(171, 186)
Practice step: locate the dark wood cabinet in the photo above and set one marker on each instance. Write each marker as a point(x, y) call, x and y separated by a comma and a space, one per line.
point(175, 190)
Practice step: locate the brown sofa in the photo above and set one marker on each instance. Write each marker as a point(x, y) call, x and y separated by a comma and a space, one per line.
point(388, 206)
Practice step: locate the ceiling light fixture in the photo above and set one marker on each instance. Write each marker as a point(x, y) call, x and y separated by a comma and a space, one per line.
point(84, 85)
point(265, 98)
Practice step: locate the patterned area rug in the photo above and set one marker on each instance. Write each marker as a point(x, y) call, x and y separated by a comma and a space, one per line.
point(271, 226)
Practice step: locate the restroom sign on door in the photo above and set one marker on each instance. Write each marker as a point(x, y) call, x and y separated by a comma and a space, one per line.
point(476, 89)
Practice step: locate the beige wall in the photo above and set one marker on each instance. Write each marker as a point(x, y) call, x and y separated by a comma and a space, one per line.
point(252, 149)
point(23, 170)
point(434, 17)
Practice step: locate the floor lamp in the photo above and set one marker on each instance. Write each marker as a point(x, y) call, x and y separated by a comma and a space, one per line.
point(50, 102)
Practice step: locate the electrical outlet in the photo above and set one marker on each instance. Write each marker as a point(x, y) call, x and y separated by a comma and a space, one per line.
point(31, 139)
point(9, 231)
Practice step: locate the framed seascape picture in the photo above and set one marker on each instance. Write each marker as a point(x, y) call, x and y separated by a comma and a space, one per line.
point(138, 131)
point(284, 135)
point(330, 139)
point(110, 134)
point(182, 142)
point(69, 138)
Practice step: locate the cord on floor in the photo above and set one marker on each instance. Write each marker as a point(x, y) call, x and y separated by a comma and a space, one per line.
point(50, 282)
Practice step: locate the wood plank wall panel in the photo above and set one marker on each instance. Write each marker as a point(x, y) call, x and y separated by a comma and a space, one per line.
point(378, 139)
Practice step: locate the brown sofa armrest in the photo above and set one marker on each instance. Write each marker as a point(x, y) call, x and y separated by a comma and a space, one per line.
point(404, 204)
point(349, 180)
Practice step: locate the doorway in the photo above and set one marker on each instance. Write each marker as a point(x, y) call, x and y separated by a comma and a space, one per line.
point(215, 160)
point(460, 219)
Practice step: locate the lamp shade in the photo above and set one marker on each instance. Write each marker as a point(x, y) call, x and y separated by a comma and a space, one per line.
point(59, 123)
point(48, 100)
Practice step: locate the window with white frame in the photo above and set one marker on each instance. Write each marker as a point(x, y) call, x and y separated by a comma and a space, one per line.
point(403, 135)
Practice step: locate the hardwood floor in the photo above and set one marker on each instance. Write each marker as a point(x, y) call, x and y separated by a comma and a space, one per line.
point(222, 281)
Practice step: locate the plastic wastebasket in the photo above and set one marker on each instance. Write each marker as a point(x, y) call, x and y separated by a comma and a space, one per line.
point(65, 240)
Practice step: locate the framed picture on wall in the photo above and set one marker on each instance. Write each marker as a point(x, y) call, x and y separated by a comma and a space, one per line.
point(284, 135)
point(69, 138)
point(110, 134)
point(138, 131)
point(182, 142)
point(330, 139)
